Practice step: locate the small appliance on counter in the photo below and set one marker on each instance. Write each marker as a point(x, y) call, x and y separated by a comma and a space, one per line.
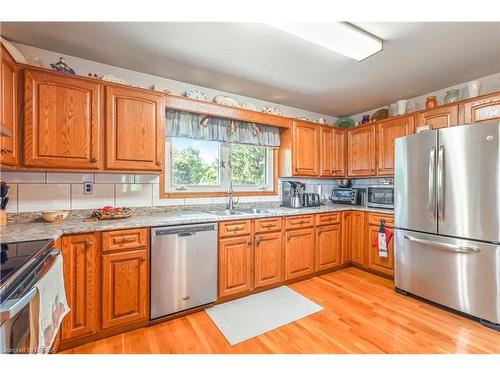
point(292, 192)
point(311, 200)
point(345, 196)
point(380, 196)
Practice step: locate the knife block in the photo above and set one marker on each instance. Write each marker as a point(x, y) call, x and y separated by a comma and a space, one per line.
point(3, 217)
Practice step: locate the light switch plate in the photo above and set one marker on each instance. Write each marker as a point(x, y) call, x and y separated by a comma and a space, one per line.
point(88, 188)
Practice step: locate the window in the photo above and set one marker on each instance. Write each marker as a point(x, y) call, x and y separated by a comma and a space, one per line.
point(194, 165)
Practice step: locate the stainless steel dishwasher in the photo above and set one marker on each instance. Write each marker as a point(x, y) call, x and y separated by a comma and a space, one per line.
point(183, 268)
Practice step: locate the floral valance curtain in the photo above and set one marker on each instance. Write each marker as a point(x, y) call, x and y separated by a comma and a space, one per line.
point(190, 125)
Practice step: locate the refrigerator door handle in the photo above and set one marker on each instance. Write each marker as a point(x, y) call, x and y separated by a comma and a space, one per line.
point(446, 246)
point(432, 183)
point(440, 183)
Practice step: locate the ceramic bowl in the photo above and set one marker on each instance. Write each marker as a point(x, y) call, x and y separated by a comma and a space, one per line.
point(55, 216)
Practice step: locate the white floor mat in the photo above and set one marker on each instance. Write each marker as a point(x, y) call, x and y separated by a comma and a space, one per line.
point(251, 316)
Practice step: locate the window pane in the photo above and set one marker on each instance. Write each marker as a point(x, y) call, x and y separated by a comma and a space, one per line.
point(195, 162)
point(248, 164)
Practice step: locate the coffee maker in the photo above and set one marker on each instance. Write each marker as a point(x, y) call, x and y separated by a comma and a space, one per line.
point(292, 192)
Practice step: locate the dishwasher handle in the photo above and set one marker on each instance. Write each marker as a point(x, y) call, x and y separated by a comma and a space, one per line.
point(184, 230)
point(186, 234)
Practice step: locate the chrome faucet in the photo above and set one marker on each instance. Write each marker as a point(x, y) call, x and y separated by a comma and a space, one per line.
point(231, 202)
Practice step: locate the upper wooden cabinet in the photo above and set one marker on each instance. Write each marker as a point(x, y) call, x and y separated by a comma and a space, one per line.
point(134, 129)
point(62, 121)
point(486, 108)
point(332, 149)
point(361, 151)
point(439, 117)
point(305, 149)
point(387, 132)
point(9, 152)
point(80, 265)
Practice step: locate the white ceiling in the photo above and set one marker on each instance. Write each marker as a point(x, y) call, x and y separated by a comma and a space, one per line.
point(259, 61)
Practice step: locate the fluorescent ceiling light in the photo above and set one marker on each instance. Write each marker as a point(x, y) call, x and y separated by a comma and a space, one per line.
point(340, 37)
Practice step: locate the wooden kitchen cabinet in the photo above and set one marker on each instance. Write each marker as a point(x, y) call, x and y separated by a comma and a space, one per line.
point(332, 152)
point(306, 147)
point(484, 109)
point(358, 238)
point(268, 266)
point(328, 246)
point(9, 112)
point(439, 117)
point(387, 132)
point(62, 121)
point(235, 265)
point(125, 291)
point(339, 152)
point(346, 253)
point(134, 129)
point(375, 262)
point(299, 253)
point(80, 267)
point(361, 151)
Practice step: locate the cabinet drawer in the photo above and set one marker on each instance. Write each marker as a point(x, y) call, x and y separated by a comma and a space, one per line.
point(268, 225)
point(235, 228)
point(303, 221)
point(328, 218)
point(124, 239)
point(374, 219)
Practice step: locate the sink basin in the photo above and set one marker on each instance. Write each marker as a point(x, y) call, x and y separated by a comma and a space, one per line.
point(254, 211)
point(225, 212)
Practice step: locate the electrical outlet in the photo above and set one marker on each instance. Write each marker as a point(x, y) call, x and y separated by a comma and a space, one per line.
point(88, 188)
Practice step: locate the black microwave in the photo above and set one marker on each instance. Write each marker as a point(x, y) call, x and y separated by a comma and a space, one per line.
point(380, 196)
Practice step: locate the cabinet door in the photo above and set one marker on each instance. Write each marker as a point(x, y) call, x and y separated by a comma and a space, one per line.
point(440, 117)
point(328, 246)
point(387, 132)
point(134, 129)
point(346, 253)
point(339, 152)
point(375, 262)
point(299, 253)
point(327, 152)
point(358, 236)
point(305, 149)
point(80, 266)
point(235, 265)
point(268, 259)
point(61, 125)
point(481, 110)
point(8, 110)
point(361, 151)
point(125, 292)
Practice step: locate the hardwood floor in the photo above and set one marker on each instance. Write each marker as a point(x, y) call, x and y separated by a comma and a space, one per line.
point(362, 314)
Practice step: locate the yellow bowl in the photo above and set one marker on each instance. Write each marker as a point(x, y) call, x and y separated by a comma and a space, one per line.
point(55, 216)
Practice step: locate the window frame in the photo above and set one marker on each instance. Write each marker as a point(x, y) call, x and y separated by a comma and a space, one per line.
point(167, 190)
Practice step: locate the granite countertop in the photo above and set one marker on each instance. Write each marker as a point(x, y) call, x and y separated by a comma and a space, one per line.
point(37, 229)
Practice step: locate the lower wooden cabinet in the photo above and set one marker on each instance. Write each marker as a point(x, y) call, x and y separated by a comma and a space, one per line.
point(125, 292)
point(358, 237)
point(268, 267)
point(80, 267)
point(299, 253)
point(235, 265)
point(328, 246)
point(346, 253)
point(375, 262)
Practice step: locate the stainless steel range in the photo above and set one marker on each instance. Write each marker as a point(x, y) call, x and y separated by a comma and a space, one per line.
point(447, 218)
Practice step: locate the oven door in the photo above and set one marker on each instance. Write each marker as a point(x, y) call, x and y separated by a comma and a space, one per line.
point(381, 196)
point(15, 334)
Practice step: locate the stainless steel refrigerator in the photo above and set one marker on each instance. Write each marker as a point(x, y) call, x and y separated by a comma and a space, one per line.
point(447, 218)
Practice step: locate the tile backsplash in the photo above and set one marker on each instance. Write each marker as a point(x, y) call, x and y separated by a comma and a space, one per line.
point(40, 191)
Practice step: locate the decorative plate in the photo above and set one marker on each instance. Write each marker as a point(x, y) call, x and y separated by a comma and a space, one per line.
point(381, 114)
point(226, 100)
point(248, 105)
point(271, 110)
point(196, 94)
point(345, 122)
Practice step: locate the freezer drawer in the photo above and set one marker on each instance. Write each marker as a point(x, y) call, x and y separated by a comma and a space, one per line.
point(183, 268)
point(460, 274)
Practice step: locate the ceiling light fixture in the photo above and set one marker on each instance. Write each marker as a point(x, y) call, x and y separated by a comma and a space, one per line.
point(340, 37)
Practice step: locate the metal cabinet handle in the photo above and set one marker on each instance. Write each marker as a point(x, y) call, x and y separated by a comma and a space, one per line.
point(89, 244)
point(258, 240)
point(446, 246)
point(267, 225)
point(126, 239)
point(6, 150)
point(143, 259)
point(93, 160)
point(249, 243)
point(158, 163)
point(440, 183)
point(235, 228)
point(432, 183)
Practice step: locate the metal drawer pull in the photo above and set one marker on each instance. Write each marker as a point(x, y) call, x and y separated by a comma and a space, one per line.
point(446, 246)
point(268, 226)
point(126, 239)
point(234, 229)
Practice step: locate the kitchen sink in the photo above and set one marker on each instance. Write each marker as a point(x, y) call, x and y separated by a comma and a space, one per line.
point(225, 212)
point(253, 211)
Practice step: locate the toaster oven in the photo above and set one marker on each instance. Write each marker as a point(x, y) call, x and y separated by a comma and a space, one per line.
point(380, 196)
